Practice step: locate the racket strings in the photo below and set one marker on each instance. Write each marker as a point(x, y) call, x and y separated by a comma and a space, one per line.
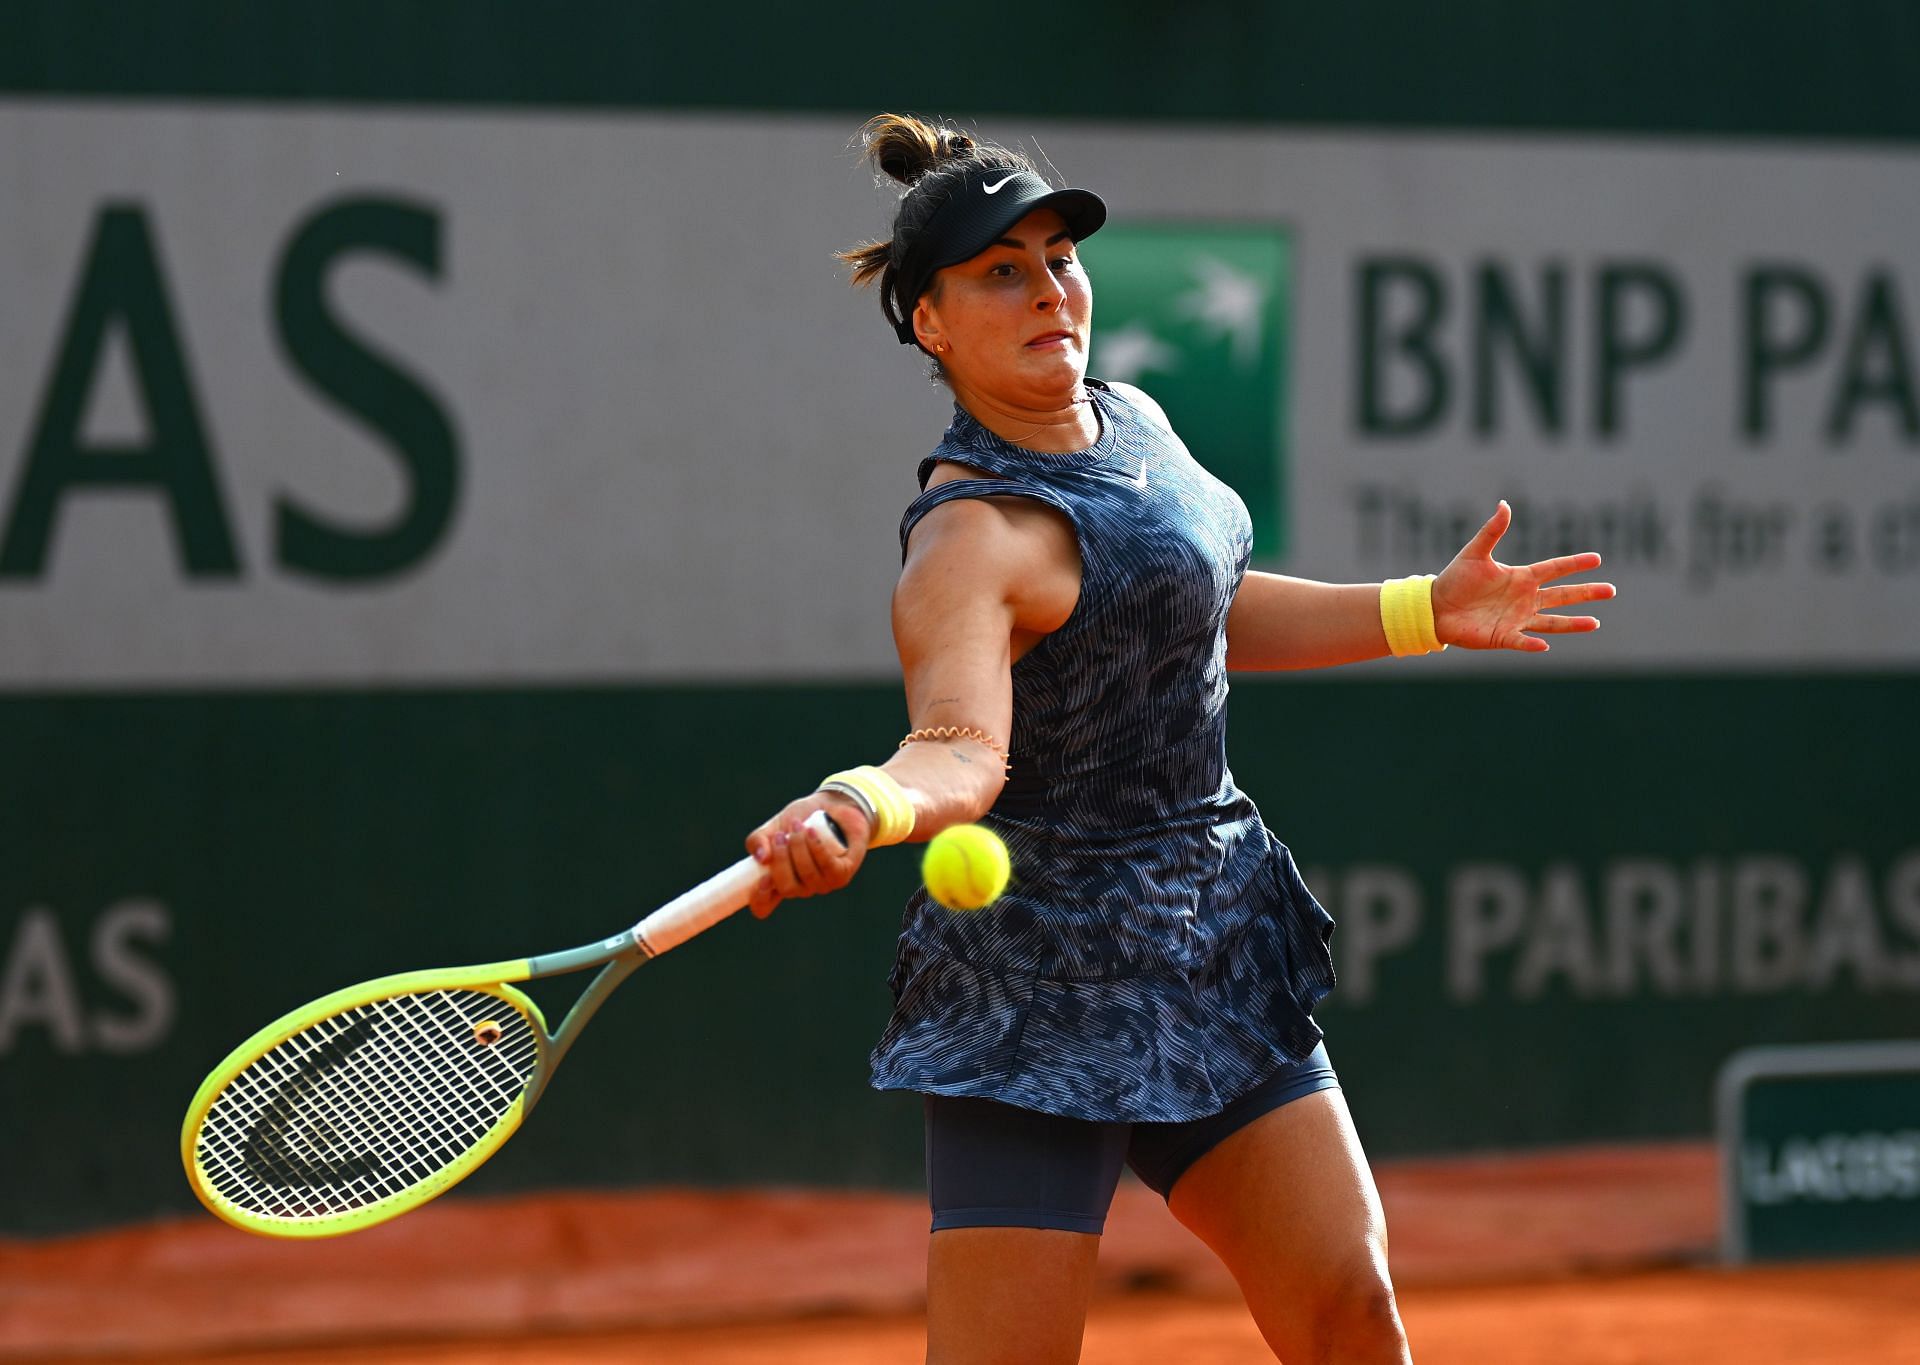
point(366, 1136)
point(366, 1104)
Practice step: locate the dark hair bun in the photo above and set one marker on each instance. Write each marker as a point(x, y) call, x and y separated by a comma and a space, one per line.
point(905, 148)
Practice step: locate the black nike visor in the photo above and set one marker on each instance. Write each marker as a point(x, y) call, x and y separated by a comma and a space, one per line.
point(979, 212)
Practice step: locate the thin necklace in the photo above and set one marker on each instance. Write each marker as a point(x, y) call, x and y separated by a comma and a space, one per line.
point(1082, 397)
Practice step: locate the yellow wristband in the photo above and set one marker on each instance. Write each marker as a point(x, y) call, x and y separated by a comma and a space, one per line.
point(892, 812)
point(1406, 615)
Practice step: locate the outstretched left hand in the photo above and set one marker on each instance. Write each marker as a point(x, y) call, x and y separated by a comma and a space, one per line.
point(1480, 603)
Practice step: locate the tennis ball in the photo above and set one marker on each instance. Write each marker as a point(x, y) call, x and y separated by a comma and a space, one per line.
point(965, 867)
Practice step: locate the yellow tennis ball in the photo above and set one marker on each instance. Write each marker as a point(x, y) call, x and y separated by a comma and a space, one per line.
point(965, 867)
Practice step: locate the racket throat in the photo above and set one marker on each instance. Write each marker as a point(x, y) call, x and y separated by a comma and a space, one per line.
point(595, 995)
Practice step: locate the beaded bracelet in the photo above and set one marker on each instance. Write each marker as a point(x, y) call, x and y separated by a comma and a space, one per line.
point(945, 732)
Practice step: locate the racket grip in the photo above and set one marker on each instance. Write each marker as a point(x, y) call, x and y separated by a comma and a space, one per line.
point(696, 911)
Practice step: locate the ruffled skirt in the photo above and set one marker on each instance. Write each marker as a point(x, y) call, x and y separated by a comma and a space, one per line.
point(1164, 1045)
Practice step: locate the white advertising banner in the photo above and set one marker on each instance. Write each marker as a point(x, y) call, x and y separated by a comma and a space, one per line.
point(296, 396)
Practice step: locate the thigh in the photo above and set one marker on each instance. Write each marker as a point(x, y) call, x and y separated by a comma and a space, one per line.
point(1019, 1200)
point(1289, 1204)
point(1008, 1295)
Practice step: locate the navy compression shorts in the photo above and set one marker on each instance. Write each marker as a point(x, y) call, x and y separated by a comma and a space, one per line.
point(994, 1165)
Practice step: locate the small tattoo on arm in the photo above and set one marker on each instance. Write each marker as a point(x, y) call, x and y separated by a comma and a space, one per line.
point(943, 701)
point(961, 756)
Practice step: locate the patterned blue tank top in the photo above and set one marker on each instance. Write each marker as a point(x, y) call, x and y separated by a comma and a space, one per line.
point(1156, 954)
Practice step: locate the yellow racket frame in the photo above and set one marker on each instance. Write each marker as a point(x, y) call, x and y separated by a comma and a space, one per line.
point(489, 979)
point(690, 913)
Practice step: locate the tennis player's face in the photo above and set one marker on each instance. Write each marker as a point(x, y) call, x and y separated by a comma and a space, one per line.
point(1016, 317)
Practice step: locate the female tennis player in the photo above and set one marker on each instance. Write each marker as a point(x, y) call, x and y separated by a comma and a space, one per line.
point(1074, 592)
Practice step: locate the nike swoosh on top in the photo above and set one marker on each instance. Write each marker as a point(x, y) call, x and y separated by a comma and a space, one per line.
point(996, 188)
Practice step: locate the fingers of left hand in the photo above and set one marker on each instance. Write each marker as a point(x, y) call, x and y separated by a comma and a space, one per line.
point(1549, 569)
point(1488, 536)
point(1571, 594)
point(1562, 625)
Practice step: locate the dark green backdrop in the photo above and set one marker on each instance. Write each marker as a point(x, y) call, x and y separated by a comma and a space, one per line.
point(1835, 68)
point(302, 842)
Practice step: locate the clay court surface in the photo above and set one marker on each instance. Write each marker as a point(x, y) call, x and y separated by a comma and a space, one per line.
point(1809, 1317)
point(1575, 1258)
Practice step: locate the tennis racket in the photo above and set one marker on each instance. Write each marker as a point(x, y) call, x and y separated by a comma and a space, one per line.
point(373, 1100)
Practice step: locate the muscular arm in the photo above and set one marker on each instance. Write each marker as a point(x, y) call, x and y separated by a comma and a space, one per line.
point(1478, 603)
point(1278, 622)
point(984, 579)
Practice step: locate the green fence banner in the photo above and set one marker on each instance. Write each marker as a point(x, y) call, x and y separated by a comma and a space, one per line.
point(1820, 1147)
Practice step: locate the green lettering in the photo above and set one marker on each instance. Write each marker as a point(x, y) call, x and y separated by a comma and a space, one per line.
point(1876, 368)
point(385, 398)
point(1539, 355)
point(1767, 349)
point(122, 284)
point(1618, 349)
point(1411, 341)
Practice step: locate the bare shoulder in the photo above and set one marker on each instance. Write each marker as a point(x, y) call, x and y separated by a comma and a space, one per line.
point(1143, 400)
point(1011, 550)
point(988, 532)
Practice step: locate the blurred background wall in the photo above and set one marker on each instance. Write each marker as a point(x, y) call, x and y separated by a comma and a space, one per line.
point(448, 494)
